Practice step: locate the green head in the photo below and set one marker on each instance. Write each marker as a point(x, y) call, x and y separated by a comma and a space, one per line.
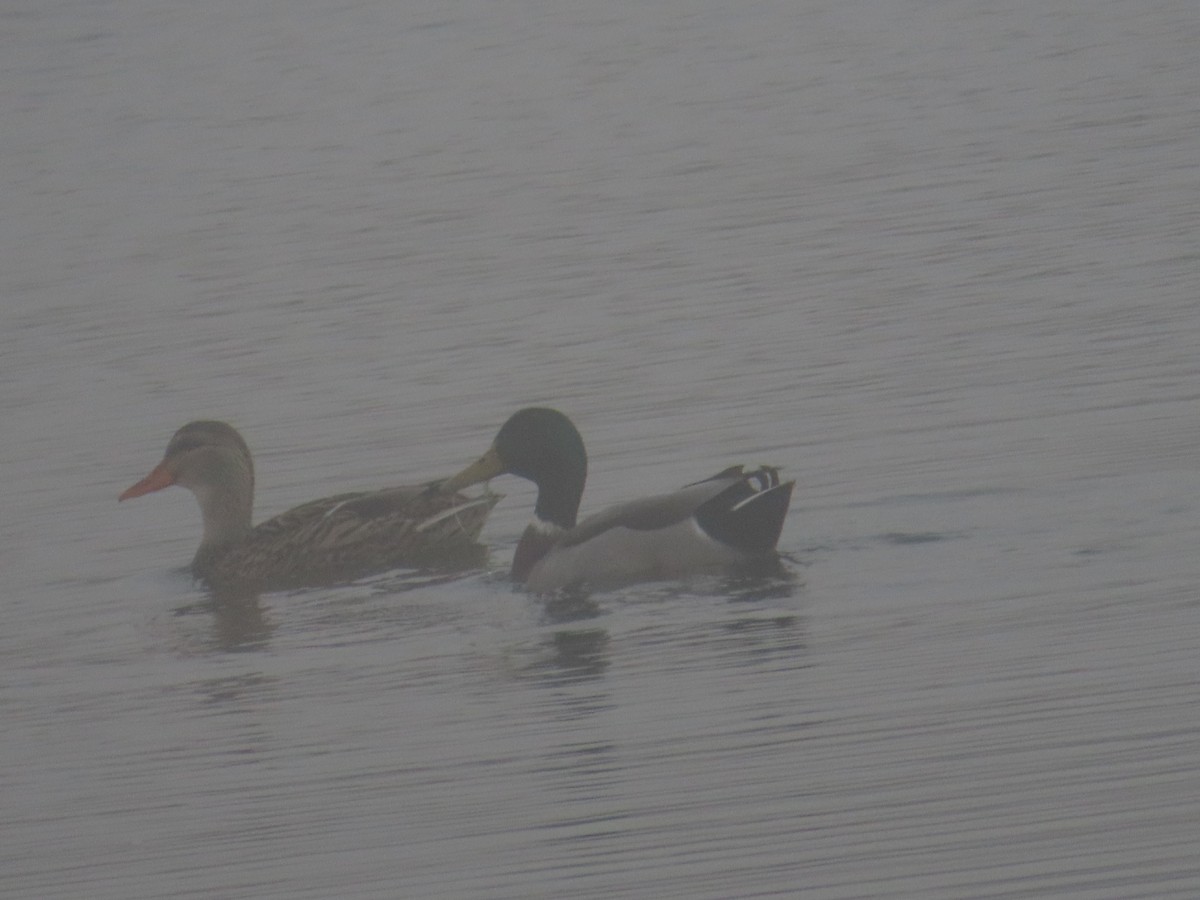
point(543, 446)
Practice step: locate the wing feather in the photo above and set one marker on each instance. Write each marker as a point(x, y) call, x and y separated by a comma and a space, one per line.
point(660, 511)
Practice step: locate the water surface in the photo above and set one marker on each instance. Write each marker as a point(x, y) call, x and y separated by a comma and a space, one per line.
point(937, 260)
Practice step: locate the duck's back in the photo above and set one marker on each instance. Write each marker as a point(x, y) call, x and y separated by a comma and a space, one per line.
point(352, 535)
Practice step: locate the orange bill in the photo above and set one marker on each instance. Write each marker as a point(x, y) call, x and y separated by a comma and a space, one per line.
point(158, 479)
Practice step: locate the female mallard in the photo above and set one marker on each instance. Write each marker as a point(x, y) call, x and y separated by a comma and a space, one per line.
point(321, 542)
point(734, 517)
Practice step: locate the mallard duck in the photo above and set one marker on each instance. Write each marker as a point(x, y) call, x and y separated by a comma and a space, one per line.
point(321, 542)
point(731, 518)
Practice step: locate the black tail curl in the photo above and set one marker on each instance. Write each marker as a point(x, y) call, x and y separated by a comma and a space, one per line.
point(749, 515)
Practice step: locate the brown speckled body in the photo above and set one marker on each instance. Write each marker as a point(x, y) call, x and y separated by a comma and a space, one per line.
point(337, 539)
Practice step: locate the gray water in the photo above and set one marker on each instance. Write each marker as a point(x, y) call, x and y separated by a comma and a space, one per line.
point(936, 259)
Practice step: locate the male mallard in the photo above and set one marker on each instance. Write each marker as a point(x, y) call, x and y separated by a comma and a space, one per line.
point(733, 517)
point(321, 542)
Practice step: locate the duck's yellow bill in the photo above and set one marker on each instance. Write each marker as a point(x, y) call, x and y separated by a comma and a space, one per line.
point(486, 467)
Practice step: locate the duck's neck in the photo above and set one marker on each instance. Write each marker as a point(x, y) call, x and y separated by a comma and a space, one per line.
point(557, 507)
point(227, 505)
point(559, 493)
point(535, 543)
